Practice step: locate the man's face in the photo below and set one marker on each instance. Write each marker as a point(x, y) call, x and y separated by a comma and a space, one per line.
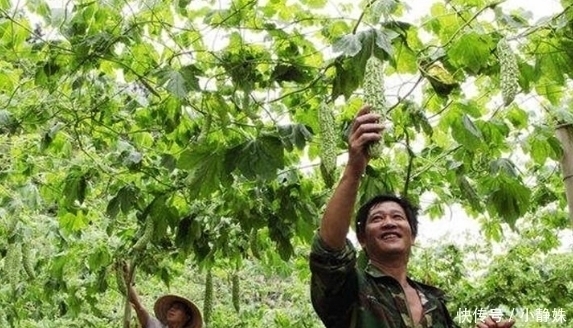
point(387, 231)
point(177, 313)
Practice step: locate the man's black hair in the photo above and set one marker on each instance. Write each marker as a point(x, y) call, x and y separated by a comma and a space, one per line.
point(410, 210)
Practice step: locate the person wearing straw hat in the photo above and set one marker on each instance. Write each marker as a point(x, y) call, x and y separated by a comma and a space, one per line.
point(171, 311)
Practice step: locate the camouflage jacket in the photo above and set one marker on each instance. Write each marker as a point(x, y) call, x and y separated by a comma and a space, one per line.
point(344, 296)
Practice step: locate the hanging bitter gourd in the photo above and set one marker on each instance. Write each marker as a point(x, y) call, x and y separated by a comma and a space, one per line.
point(146, 237)
point(208, 299)
point(327, 126)
point(235, 292)
point(206, 127)
point(27, 262)
point(12, 226)
point(508, 71)
point(373, 86)
point(12, 263)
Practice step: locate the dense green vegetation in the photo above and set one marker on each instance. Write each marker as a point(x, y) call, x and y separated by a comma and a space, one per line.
point(197, 121)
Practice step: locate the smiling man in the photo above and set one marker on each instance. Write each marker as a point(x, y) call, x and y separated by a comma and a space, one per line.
point(381, 295)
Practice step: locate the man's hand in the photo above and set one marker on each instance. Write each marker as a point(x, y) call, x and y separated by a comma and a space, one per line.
point(490, 323)
point(127, 275)
point(365, 130)
point(124, 267)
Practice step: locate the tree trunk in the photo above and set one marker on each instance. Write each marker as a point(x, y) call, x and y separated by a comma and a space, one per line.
point(564, 133)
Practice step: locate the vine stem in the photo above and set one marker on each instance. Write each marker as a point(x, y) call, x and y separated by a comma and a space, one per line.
point(538, 27)
point(411, 157)
point(355, 28)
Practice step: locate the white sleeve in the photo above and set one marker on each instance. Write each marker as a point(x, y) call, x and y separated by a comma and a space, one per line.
point(153, 323)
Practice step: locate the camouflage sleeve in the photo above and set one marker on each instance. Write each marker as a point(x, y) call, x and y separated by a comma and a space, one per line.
point(334, 284)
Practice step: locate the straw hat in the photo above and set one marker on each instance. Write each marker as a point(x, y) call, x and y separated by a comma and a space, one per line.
point(163, 304)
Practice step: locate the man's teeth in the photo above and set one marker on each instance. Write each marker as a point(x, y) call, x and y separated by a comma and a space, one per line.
point(390, 236)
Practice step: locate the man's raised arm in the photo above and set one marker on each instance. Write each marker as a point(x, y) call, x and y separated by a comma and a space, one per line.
point(339, 211)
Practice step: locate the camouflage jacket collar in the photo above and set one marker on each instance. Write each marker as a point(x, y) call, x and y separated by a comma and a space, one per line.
point(375, 273)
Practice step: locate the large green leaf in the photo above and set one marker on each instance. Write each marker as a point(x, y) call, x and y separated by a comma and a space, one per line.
point(471, 51)
point(75, 187)
point(207, 169)
point(348, 45)
point(508, 198)
point(466, 133)
point(259, 158)
point(125, 199)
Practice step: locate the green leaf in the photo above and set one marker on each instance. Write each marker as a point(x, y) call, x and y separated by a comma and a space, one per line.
point(182, 4)
point(317, 4)
point(435, 210)
point(405, 60)
point(527, 76)
point(163, 214)
point(190, 75)
point(379, 8)
point(259, 158)
point(281, 233)
point(124, 200)
point(551, 62)
point(335, 29)
point(374, 184)
point(384, 40)
point(539, 150)
point(444, 23)
point(509, 199)
point(132, 159)
point(5, 118)
point(168, 161)
point(113, 207)
point(170, 114)
point(469, 3)
point(208, 170)
point(31, 196)
point(294, 135)
point(174, 83)
point(73, 222)
point(463, 135)
point(184, 236)
point(542, 146)
point(471, 51)
point(471, 127)
point(99, 258)
point(290, 73)
point(503, 166)
point(348, 45)
point(5, 5)
point(216, 104)
point(551, 90)
point(75, 187)
point(518, 117)
point(469, 193)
